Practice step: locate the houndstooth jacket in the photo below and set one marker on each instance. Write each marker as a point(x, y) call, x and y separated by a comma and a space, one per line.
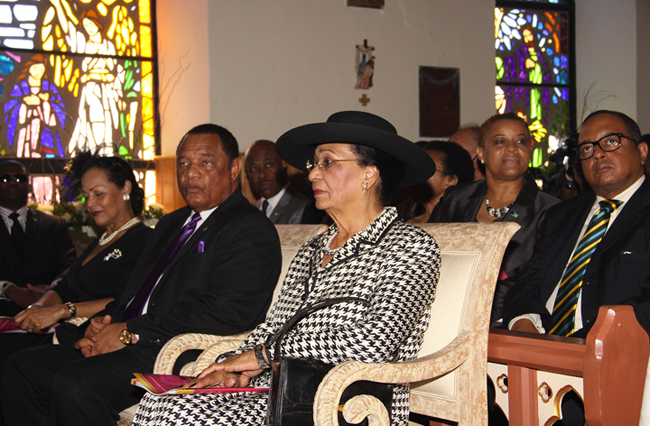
point(393, 265)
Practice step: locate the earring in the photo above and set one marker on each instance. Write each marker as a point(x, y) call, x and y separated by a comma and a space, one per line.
point(126, 197)
point(364, 186)
point(482, 161)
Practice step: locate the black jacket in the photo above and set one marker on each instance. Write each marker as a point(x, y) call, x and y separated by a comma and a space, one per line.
point(461, 203)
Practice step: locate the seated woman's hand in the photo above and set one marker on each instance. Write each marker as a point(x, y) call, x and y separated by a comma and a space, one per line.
point(245, 364)
point(36, 318)
point(217, 379)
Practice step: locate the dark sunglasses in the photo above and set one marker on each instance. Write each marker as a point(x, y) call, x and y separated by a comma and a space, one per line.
point(19, 178)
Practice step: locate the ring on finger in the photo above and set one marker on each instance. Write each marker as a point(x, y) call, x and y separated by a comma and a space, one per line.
point(30, 330)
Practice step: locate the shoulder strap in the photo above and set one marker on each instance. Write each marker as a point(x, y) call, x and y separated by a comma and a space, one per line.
point(300, 314)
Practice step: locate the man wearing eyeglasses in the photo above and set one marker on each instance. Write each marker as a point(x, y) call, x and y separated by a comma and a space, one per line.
point(593, 249)
point(34, 247)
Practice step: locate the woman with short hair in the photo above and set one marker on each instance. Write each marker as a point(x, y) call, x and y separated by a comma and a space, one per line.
point(508, 194)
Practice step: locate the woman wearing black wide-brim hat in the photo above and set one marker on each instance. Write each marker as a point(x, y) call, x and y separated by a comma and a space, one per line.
point(356, 162)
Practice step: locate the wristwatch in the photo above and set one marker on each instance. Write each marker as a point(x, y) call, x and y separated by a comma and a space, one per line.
point(72, 309)
point(125, 336)
point(4, 285)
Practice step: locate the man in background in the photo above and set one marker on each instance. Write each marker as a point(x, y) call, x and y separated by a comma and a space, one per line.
point(267, 174)
point(467, 137)
point(35, 248)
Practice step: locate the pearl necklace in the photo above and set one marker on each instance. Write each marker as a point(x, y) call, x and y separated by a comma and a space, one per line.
point(327, 250)
point(497, 212)
point(103, 240)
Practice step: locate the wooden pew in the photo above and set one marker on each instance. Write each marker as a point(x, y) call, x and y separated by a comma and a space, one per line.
point(607, 370)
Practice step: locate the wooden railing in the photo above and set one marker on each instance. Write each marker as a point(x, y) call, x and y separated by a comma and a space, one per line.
point(612, 362)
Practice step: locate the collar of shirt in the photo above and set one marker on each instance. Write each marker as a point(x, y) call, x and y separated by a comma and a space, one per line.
point(205, 214)
point(623, 196)
point(273, 201)
point(22, 219)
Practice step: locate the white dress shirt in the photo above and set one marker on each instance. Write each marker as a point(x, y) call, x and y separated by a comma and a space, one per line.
point(22, 218)
point(273, 201)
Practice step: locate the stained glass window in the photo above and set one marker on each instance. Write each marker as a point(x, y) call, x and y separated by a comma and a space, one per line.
point(534, 68)
point(77, 75)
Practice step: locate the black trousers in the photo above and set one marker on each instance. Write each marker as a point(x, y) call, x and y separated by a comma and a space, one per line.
point(56, 385)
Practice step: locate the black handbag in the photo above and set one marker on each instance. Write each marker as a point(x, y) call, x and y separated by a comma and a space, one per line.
point(295, 381)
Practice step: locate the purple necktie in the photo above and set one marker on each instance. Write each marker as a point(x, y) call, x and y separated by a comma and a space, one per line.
point(137, 304)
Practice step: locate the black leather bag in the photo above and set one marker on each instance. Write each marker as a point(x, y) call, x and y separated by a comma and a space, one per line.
point(295, 380)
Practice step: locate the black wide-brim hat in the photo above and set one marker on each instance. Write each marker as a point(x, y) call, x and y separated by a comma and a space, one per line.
point(297, 145)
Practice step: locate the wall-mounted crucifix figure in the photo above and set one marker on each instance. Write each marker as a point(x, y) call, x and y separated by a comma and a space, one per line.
point(365, 64)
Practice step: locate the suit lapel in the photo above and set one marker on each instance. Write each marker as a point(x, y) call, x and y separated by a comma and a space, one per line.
point(32, 230)
point(7, 246)
point(281, 206)
point(207, 224)
point(470, 210)
point(154, 250)
point(634, 210)
point(566, 232)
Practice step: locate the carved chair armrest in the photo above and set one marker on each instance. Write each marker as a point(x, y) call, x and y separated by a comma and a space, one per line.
point(182, 343)
point(326, 402)
point(207, 357)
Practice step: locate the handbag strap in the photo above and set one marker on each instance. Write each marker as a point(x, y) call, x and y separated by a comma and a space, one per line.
point(300, 314)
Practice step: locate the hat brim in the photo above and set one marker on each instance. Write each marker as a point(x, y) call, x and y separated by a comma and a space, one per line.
point(297, 146)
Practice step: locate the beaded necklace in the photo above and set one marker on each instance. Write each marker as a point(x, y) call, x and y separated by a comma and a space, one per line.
point(103, 240)
point(497, 212)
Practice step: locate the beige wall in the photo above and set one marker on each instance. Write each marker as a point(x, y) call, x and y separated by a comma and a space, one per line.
point(606, 52)
point(276, 64)
point(261, 67)
point(643, 64)
point(184, 73)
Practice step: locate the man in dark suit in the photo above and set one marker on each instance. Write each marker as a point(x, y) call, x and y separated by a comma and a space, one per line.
point(618, 271)
point(219, 281)
point(35, 248)
point(267, 174)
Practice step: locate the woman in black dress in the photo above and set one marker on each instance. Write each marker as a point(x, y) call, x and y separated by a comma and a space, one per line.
point(115, 200)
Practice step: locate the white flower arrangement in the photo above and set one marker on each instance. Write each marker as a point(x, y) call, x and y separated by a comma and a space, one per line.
point(152, 214)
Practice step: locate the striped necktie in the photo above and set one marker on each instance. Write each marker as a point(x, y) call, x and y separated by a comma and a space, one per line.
point(566, 301)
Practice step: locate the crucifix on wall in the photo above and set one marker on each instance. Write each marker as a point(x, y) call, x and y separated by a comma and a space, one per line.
point(365, 65)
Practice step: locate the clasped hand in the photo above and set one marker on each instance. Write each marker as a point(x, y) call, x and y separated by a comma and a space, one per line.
point(234, 372)
point(101, 337)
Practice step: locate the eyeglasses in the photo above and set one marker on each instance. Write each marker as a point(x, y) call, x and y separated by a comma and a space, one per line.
point(607, 143)
point(8, 177)
point(444, 172)
point(327, 163)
